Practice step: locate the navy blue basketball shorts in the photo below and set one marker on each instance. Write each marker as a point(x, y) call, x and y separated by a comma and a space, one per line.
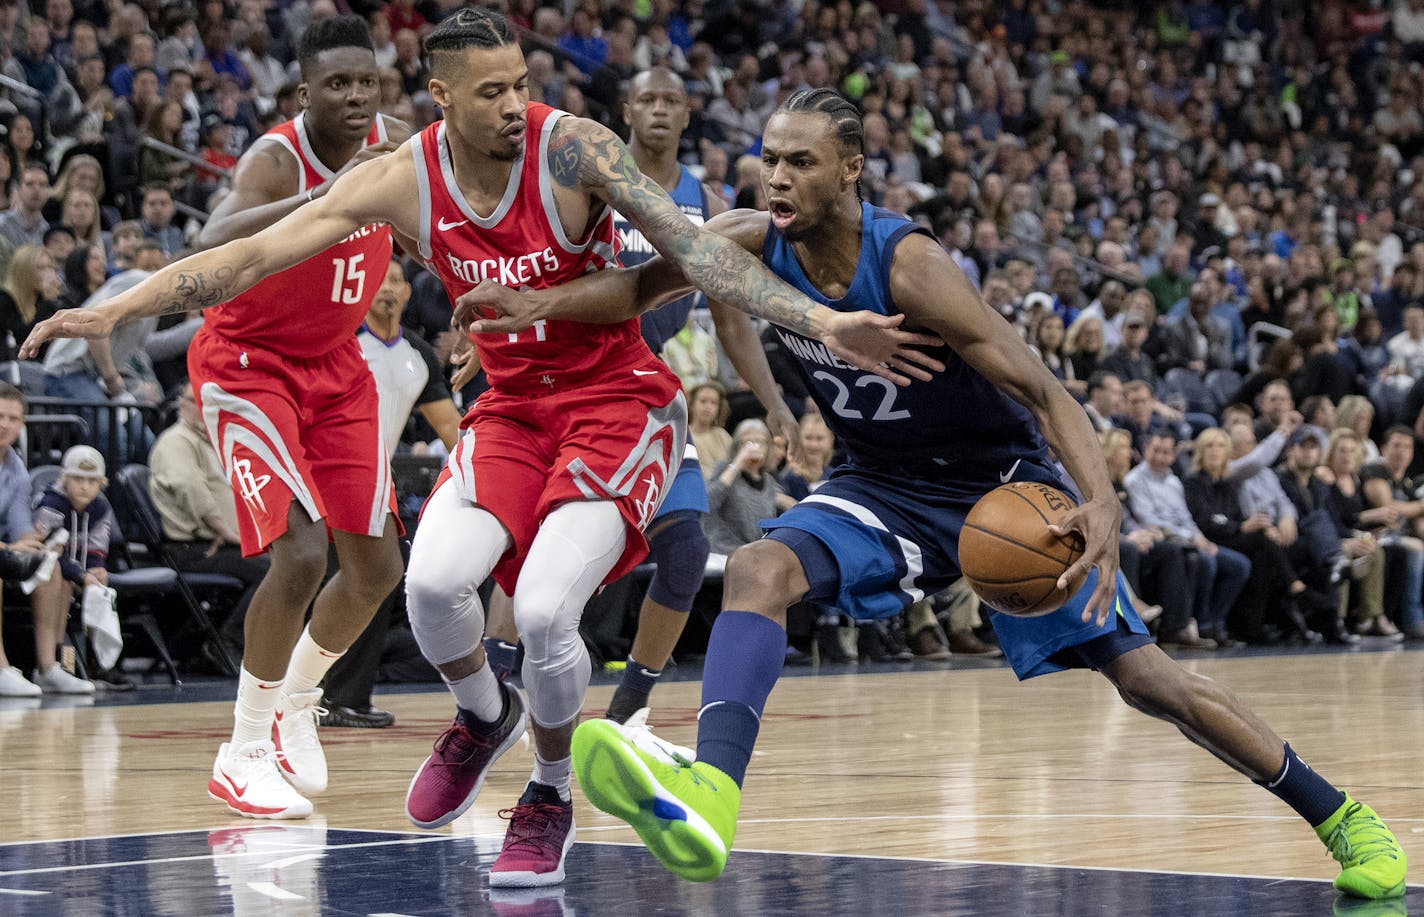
point(871, 543)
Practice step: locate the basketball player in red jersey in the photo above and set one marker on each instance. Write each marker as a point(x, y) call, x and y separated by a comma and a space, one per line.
point(565, 458)
point(291, 406)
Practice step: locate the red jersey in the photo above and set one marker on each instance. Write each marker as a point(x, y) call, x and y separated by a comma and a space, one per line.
point(332, 290)
point(521, 244)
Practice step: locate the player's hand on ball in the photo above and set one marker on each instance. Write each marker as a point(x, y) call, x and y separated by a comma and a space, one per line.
point(493, 308)
point(876, 344)
point(1096, 522)
point(69, 323)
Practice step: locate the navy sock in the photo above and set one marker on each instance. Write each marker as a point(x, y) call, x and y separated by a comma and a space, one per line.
point(501, 656)
point(633, 690)
point(1301, 788)
point(744, 659)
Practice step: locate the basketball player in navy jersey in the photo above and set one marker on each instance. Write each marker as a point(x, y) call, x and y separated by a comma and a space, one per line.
point(656, 113)
point(581, 424)
point(882, 531)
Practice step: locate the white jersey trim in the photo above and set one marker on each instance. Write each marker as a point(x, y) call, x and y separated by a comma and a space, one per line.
point(447, 173)
point(422, 182)
point(299, 124)
point(551, 208)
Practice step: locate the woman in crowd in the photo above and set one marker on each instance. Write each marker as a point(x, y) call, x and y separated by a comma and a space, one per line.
point(743, 491)
point(1356, 414)
point(1048, 344)
point(707, 412)
point(80, 212)
point(1347, 504)
point(1083, 351)
point(818, 444)
point(80, 172)
point(84, 272)
point(165, 124)
point(1273, 595)
point(27, 296)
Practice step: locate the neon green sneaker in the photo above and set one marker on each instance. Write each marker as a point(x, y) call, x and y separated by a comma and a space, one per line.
point(1373, 865)
point(686, 814)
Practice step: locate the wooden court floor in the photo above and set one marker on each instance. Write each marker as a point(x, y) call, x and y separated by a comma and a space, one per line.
point(941, 763)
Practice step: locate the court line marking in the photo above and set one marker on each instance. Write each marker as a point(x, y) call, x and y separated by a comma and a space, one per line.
point(207, 830)
point(272, 891)
point(215, 856)
point(21, 891)
point(955, 863)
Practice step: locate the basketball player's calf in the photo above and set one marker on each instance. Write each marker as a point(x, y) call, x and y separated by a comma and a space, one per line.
point(686, 825)
point(678, 549)
point(1207, 713)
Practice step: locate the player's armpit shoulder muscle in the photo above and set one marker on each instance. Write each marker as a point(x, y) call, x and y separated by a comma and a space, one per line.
point(926, 283)
point(382, 190)
point(745, 227)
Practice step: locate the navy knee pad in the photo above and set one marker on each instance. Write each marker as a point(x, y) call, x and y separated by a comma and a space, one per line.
point(680, 549)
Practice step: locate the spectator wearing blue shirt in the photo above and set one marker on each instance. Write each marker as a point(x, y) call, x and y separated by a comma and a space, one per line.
point(587, 49)
point(140, 57)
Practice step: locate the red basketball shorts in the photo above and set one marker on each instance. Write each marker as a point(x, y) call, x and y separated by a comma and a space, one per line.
point(523, 456)
point(288, 428)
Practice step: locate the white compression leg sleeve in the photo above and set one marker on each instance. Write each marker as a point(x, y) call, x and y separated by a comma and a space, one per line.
point(455, 548)
point(576, 547)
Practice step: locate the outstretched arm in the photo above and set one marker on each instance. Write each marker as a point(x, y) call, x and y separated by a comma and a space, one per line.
point(864, 339)
point(932, 291)
point(589, 157)
point(377, 191)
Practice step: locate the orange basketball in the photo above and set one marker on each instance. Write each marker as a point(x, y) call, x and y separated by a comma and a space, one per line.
point(1010, 557)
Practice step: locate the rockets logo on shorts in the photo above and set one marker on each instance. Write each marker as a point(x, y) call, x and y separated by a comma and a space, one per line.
point(249, 485)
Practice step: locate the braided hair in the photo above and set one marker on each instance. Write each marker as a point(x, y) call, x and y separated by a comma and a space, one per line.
point(326, 34)
point(471, 27)
point(845, 119)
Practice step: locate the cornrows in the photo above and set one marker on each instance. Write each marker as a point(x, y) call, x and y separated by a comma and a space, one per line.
point(845, 117)
point(471, 27)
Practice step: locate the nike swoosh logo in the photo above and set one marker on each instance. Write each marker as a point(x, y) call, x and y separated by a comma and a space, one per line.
point(269, 687)
point(1004, 478)
point(239, 790)
point(443, 226)
point(645, 372)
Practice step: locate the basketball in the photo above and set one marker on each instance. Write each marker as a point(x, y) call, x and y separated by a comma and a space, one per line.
point(1009, 556)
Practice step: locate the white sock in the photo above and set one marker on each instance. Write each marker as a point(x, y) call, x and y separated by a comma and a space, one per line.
point(309, 664)
point(478, 692)
point(555, 774)
point(256, 704)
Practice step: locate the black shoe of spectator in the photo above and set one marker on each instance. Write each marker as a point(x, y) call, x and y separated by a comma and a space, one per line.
point(1298, 627)
point(1334, 631)
point(828, 644)
point(352, 718)
point(877, 643)
point(19, 565)
point(796, 657)
point(113, 680)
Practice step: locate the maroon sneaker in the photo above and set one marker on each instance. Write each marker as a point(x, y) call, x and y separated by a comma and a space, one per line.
point(448, 781)
point(541, 831)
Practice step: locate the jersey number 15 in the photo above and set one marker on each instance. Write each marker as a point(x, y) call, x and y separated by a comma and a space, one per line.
point(350, 280)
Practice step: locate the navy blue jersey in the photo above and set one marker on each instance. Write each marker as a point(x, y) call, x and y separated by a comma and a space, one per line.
point(660, 325)
point(958, 423)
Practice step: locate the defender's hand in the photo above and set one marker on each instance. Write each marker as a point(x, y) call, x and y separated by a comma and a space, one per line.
point(493, 308)
point(70, 323)
point(1096, 522)
point(365, 154)
point(875, 343)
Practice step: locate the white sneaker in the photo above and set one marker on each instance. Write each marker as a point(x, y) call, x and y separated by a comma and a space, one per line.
point(58, 681)
point(245, 779)
point(639, 733)
point(299, 755)
point(42, 573)
point(13, 683)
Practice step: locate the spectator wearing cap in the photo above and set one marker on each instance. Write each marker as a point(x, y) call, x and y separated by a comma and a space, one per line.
point(74, 504)
point(1128, 361)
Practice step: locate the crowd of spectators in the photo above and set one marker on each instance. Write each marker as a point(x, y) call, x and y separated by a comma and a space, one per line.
point(1205, 218)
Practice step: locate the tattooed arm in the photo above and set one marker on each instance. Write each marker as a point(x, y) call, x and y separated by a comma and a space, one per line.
point(380, 191)
point(589, 158)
